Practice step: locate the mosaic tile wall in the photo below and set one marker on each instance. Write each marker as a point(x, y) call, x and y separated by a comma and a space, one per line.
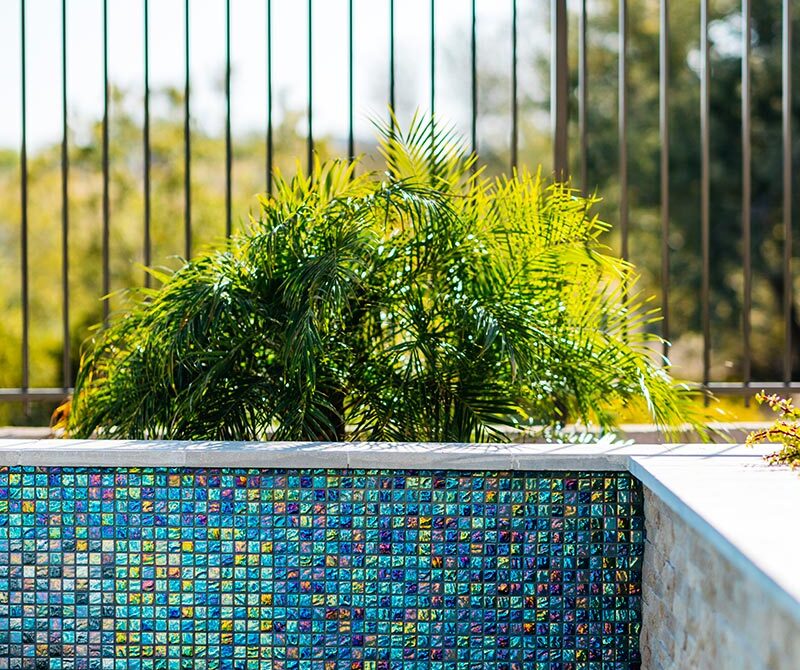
point(139, 568)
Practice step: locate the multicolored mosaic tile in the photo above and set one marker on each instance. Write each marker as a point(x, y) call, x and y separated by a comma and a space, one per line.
point(150, 568)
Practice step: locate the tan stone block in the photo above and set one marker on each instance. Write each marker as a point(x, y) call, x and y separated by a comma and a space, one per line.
point(700, 612)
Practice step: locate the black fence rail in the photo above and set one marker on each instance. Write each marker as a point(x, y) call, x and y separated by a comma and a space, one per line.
point(569, 34)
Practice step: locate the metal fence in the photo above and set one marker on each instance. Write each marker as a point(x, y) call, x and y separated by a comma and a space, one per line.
point(562, 73)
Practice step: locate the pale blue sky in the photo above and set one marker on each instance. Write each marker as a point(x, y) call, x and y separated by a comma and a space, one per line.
point(84, 46)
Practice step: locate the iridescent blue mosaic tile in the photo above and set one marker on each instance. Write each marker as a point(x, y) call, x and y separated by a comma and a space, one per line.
point(150, 568)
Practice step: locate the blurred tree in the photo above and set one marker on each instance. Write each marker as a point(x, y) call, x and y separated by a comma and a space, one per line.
point(126, 223)
point(535, 147)
point(726, 269)
point(643, 164)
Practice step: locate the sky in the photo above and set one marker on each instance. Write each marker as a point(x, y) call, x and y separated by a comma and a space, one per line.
point(248, 56)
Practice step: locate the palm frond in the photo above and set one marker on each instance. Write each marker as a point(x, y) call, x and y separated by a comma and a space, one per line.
point(423, 303)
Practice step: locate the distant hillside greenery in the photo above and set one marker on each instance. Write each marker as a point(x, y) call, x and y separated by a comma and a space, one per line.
point(126, 223)
point(727, 277)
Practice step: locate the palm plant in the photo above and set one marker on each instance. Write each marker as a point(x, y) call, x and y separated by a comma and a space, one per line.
point(426, 303)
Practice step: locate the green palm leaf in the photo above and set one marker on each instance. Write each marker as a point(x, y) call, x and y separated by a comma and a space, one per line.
point(422, 303)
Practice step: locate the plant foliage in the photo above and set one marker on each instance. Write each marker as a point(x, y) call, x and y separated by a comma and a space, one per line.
point(785, 431)
point(425, 303)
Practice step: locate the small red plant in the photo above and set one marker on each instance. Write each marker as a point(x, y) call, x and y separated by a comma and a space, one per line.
point(785, 430)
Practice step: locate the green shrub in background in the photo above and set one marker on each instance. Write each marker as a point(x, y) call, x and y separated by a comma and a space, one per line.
point(424, 303)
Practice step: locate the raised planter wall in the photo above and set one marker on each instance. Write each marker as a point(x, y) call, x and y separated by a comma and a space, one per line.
point(704, 611)
point(380, 556)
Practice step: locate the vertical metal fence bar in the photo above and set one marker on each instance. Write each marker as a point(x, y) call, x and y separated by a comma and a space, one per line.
point(433, 80)
point(622, 125)
point(514, 90)
point(746, 194)
point(310, 138)
point(146, 250)
point(663, 129)
point(351, 140)
point(228, 138)
point(270, 144)
point(23, 160)
point(66, 367)
point(583, 82)
point(559, 91)
point(473, 53)
point(704, 188)
point(106, 200)
point(391, 57)
point(786, 131)
point(187, 139)
point(433, 57)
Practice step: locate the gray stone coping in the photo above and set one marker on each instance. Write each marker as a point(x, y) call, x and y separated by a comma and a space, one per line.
point(410, 455)
point(747, 510)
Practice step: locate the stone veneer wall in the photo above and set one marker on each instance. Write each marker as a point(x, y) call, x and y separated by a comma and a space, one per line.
point(700, 611)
